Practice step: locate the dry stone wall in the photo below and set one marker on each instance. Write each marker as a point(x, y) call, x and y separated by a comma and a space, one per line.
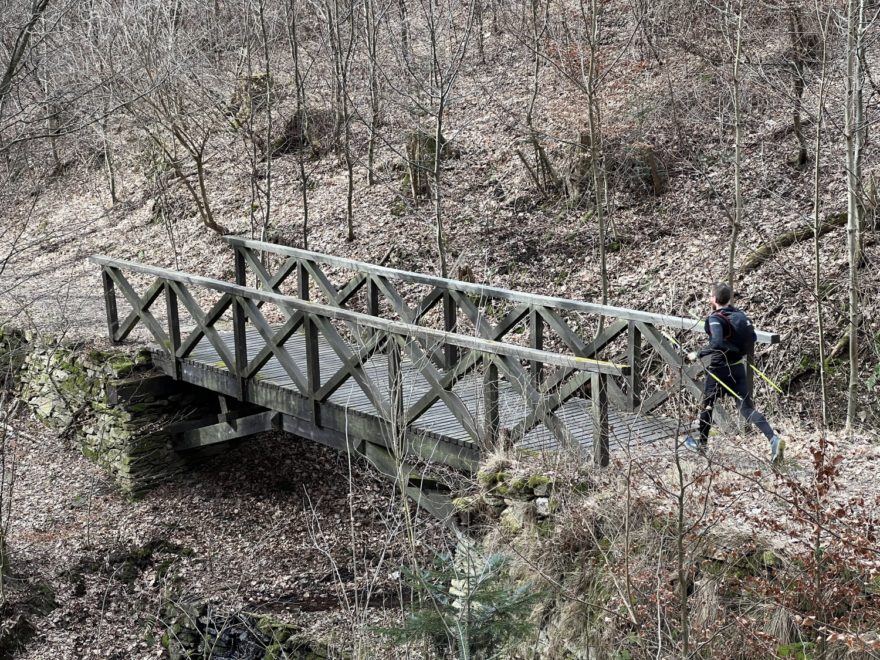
point(112, 405)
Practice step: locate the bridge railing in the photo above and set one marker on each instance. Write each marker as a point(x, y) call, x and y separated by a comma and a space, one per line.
point(492, 313)
point(377, 337)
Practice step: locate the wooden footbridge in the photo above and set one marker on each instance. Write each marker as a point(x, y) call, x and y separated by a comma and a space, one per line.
point(402, 367)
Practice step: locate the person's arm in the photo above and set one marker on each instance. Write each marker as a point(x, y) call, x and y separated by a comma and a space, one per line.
point(716, 337)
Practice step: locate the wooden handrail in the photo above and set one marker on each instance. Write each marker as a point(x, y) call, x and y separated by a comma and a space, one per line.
point(485, 291)
point(392, 327)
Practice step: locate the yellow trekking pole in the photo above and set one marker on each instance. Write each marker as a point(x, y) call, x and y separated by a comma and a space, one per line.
point(721, 382)
point(766, 378)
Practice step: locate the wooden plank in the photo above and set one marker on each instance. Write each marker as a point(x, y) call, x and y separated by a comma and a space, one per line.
point(342, 370)
point(484, 291)
point(598, 396)
point(173, 328)
point(434, 378)
point(356, 371)
point(225, 431)
point(536, 341)
point(549, 403)
point(271, 346)
point(491, 417)
point(209, 332)
point(520, 382)
point(634, 356)
point(272, 341)
point(110, 305)
point(211, 317)
point(305, 429)
point(422, 334)
point(140, 307)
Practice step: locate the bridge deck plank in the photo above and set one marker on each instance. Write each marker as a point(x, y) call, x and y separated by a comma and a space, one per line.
point(626, 429)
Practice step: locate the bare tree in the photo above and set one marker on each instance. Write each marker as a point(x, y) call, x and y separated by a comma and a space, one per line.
point(301, 114)
point(372, 23)
point(817, 223)
point(735, 43)
point(854, 127)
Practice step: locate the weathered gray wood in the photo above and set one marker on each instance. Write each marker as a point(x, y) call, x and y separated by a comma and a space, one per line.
point(550, 402)
point(210, 318)
point(450, 321)
point(324, 284)
point(305, 429)
point(521, 382)
point(601, 450)
point(208, 331)
point(343, 371)
point(110, 306)
point(670, 355)
point(422, 334)
point(536, 341)
point(264, 279)
point(574, 342)
point(465, 365)
point(425, 368)
point(225, 431)
point(173, 327)
point(491, 415)
point(240, 266)
point(273, 342)
point(140, 308)
point(313, 368)
point(634, 357)
point(351, 365)
point(240, 344)
point(483, 291)
point(397, 417)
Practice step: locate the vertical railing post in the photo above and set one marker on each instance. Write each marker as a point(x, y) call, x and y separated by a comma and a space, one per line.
point(110, 305)
point(492, 419)
point(313, 358)
point(536, 341)
point(372, 297)
point(599, 397)
point(172, 308)
point(372, 302)
point(302, 281)
point(240, 267)
point(450, 321)
point(395, 390)
point(634, 355)
point(240, 340)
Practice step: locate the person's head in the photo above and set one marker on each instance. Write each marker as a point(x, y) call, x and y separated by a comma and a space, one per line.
point(721, 295)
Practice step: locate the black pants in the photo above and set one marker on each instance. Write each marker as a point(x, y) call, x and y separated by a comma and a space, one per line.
point(734, 376)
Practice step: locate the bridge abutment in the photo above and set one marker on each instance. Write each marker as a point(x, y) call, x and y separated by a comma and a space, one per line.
point(114, 406)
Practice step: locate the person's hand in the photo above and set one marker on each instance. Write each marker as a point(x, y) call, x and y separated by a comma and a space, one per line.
point(692, 356)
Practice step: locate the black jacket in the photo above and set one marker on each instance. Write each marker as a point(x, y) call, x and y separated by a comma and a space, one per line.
point(731, 336)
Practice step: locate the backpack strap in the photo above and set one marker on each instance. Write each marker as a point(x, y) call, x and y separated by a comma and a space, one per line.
point(726, 323)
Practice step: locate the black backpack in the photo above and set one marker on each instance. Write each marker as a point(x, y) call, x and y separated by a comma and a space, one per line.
point(738, 330)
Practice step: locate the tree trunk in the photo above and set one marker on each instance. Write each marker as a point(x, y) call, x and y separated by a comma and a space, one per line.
point(737, 173)
point(302, 113)
point(595, 139)
point(817, 290)
point(853, 129)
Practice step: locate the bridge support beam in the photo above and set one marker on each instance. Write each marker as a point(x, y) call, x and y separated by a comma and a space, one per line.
point(233, 429)
point(599, 397)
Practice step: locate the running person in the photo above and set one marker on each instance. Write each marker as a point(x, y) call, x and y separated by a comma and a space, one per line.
point(731, 339)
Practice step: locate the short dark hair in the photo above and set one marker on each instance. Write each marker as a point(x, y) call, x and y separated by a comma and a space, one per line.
point(723, 293)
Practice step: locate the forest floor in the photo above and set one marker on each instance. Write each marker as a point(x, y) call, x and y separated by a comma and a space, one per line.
point(276, 525)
